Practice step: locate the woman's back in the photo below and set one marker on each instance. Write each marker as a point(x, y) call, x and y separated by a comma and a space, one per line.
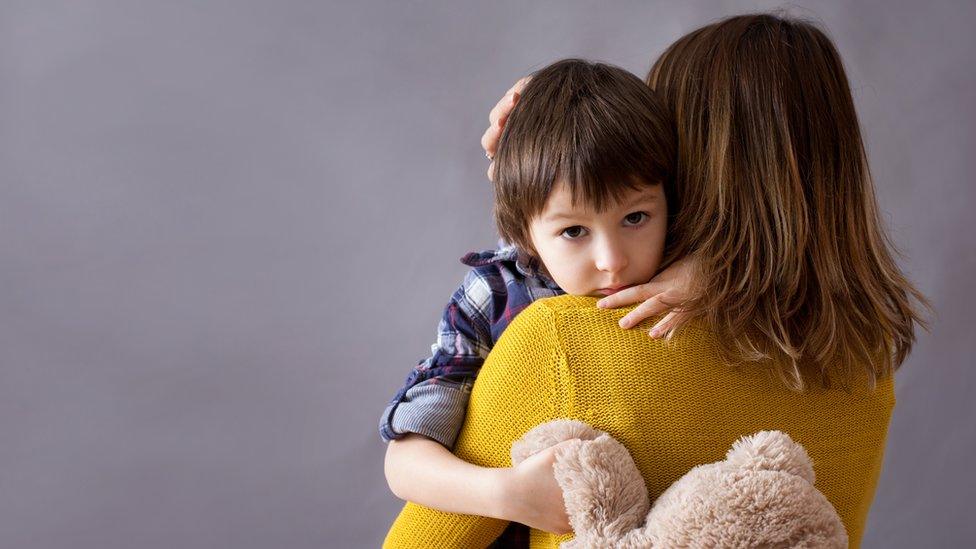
point(673, 405)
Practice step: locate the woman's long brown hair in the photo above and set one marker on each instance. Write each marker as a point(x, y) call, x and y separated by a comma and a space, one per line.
point(778, 207)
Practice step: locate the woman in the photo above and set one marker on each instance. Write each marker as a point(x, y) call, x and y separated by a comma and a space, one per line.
point(793, 314)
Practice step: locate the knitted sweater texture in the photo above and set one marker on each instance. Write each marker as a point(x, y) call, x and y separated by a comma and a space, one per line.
point(674, 405)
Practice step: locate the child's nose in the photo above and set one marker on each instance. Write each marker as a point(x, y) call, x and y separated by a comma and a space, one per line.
point(610, 257)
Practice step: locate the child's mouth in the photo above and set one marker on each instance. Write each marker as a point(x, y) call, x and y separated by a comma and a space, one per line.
point(611, 291)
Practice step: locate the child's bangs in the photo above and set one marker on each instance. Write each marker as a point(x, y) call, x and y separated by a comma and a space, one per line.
point(600, 170)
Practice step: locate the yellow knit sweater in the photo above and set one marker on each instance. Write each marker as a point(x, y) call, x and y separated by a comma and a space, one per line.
point(673, 405)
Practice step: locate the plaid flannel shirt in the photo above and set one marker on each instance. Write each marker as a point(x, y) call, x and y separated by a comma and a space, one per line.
point(434, 398)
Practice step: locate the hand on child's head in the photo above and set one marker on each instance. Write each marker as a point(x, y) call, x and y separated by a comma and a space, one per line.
point(496, 121)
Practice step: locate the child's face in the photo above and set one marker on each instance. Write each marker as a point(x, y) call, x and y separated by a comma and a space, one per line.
point(590, 253)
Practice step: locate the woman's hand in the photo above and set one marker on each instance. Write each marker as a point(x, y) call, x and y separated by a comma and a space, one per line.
point(496, 121)
point(664, 292)
point(533, 497)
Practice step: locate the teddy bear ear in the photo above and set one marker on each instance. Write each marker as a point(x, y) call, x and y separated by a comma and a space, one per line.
point(771, 451)
point(550, 434)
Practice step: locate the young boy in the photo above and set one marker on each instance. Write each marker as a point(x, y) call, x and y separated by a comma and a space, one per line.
point(583, 184)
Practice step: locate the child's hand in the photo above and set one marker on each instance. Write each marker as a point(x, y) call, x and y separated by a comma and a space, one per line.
point(496, 121)
point(534, 497)
point(663, 293)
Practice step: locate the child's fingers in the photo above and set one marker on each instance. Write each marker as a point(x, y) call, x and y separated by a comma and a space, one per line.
point(631, 295)
point(656, 305)
point(624, 297)
point(665, 324)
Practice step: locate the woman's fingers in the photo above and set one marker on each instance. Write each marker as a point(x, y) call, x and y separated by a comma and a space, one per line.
point(489, 140)
point(499, 115)
point(518, 86)
point(496, 121)
point(504, 118)
point(503, 108)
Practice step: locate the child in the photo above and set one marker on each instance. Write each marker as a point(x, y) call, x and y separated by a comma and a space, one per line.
point(583, 186)
point(793, 274)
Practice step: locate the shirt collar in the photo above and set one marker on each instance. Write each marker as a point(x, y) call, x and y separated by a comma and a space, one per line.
point(526, 264)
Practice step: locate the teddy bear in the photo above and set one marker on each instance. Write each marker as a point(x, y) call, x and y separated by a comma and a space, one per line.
point(761, 495)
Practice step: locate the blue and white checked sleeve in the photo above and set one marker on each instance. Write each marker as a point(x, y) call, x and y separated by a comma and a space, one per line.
point(434, 398)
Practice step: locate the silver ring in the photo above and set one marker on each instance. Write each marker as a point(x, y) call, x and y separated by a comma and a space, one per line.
point(488, 156)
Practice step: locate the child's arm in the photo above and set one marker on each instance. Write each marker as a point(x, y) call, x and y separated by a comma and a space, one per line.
point(422, 471)
point(506, 402)
point(434, 397)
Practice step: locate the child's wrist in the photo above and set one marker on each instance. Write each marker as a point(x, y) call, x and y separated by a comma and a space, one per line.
point(499, 490)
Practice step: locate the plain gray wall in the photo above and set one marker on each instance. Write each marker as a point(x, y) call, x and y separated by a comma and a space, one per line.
point(227, 230)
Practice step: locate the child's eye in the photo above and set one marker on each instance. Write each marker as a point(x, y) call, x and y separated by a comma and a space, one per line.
point(572, 233)
point(635, 218)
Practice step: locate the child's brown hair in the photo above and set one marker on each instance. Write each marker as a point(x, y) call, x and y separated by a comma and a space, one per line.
point(595, 127)
point(778, 205)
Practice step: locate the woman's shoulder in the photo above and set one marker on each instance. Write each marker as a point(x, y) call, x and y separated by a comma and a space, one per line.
point(550, 313)
point(577, 310)
point(567, 302)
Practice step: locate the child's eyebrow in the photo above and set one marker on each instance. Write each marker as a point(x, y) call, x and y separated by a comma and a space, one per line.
point(640, 199)
point(559, 216)
point(644, 197)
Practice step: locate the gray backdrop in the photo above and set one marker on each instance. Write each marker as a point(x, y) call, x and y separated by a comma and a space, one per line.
point(227, 230)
